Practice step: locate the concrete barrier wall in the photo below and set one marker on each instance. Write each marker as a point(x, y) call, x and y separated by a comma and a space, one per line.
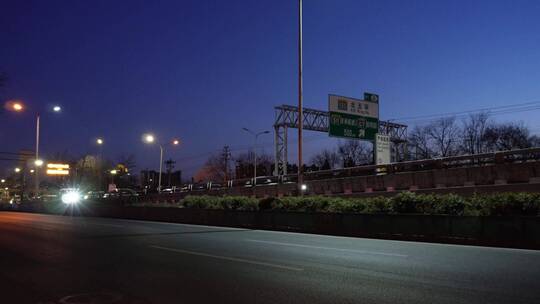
point(507, 231)
point(489, 178)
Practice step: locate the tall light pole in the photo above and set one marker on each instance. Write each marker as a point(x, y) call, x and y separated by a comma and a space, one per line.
point(100, 142)
point(18, 106)
point(300, 99)
point(38, 162)
point(255, 135)
point(150, 139)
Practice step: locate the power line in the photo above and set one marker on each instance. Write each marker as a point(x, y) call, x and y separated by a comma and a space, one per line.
point(490, 113)
point(534, 104)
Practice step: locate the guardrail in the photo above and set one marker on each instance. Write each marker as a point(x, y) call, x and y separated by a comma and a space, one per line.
point(484, 159)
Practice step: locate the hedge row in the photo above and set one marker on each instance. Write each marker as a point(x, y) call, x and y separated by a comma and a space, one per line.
point(403, 203)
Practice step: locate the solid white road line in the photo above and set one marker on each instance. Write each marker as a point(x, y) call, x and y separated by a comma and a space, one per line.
point(103, 224)
point(228, 258)
point(329, 248)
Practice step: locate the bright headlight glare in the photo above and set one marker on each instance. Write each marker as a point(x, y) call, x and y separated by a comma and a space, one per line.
point(71, 197)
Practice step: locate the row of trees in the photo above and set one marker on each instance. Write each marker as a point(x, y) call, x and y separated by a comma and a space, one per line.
point(475, 134)
point(443, 137)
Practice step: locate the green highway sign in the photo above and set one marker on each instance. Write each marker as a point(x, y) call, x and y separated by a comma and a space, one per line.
point(353, 118)
point(371, 97)
point(353, 126)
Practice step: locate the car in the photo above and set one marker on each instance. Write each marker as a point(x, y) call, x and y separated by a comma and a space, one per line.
point(121, 193)
point(93, 195)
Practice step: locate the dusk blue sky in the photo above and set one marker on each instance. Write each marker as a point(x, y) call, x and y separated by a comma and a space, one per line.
point(201, 70)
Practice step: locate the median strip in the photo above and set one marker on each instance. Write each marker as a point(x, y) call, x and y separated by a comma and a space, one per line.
point(228, 258)
point(329, 248)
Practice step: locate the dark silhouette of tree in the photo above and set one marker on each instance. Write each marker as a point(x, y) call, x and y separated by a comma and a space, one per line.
point(325, 160)
point(474, 131)
point(355, 153)
point(508, 136)
point(444, 133)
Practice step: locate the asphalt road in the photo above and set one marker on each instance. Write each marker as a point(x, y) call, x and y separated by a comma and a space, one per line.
point(62, 259)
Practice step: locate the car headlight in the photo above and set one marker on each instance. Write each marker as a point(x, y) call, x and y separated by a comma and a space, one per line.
point(71, 197)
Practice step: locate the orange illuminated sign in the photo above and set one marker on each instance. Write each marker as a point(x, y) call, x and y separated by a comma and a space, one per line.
point(57, 169)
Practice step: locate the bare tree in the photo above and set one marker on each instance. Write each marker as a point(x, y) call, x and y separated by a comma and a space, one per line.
point(445, 133)
point(535, 141)
point(326, 160)
point(128, 161)
point(474, 130)
point(354, 153)
point(216, 167)
point(420, 139)
point(508, 136)
point(244, 164)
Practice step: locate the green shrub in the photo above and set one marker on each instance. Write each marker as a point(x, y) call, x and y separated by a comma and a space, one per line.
point(236, 202)
point(269, 203)
point(200, 202)
point(450, 204)
point(531, 206)
point(379, 204)
point(347, 206)
point(403, 203)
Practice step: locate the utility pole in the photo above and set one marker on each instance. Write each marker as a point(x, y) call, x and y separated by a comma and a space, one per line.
point(226, 156)
point(300, 99)
point(36, 169)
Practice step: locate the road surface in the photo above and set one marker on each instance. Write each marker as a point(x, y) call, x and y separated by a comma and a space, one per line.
point(62, 259)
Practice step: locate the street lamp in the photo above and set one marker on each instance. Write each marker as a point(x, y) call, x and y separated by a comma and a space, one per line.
point(100, 142)
point(256, 135)
point(113, 173)
point(56, 109)
point(18, 106)
point(2, 181)
point(17, 170)
point(150, 139)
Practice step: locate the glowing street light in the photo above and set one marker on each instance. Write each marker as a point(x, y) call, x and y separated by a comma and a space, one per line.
point(2, 181)
point(114, 172)
point(38, 162)
point(32, 170)
point(99, 141)
point(17, 106)
point(17, 170)
point(57, 109)
point(150, 139)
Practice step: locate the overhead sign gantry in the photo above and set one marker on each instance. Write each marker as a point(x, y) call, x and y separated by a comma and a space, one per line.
point(320, 121)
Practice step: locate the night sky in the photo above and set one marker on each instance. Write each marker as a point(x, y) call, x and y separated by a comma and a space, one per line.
point(201, 70)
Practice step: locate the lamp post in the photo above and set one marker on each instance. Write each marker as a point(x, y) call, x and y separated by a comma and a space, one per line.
point(113, 173)
point(38, 162)
point(18, 106)
point(100, 142)
point(150, 139)
point(255, 135)
point(300, 98)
